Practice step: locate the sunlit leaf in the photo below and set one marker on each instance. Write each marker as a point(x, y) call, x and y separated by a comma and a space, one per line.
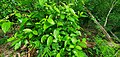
point(35, 32)
point(42, 2)
point(30, 35)
point(62, 16)
point(27, 30)
point(18, 14)
point(49, 40)
point(6, 26)
point(51, 21)
point(56, 9)
point(78, 47)
point(17, 45)
point(23, 22)
point(37, 43)
point(71, 46)
point(58, 55)
point(56, 33)
point(11, 39)
point(44, 37)
point(74, 40)
point(46, 25)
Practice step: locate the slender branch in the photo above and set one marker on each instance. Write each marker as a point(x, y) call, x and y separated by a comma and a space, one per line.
point(106, 19)
point(101, 28)
point(115, 36)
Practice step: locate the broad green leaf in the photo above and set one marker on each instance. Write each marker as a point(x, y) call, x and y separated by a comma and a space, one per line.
point(76, 53)
point(56, 9)
point(17, 45)
point(58, 55)
point(10, 39)
point(46, 25)
point(27, 30)
point(79, 53)
point(59, 23)
point(18, 14)
point(6, 26)
point(42, 2)
point(82, 44)
point(71, 46)
point(56, 33)
point(78, 47)
point(74, 40)
point(35, 32)
point(62, 51)
point(23, 22)
point(37, 44)
point(44, 37)
point(45, 50)
point(78, 33)
point(62, 16)
point(30, 35)
point(14, 42)
point(72, 11)
point(50, 20)
point(84, 40)
point(81, 13)
point(65, 44)
point(49, 40)
point(71, 19)
point(26, 42)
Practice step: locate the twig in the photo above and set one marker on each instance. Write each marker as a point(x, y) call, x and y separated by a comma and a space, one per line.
point(106, 19)
point(115, 36)
point(101, 28)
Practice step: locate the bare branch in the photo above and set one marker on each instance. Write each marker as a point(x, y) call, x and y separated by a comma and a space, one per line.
point(101, 28)
point(106, 19)
point(115, 36)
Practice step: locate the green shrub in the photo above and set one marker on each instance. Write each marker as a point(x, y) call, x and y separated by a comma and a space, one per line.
point(50, 28)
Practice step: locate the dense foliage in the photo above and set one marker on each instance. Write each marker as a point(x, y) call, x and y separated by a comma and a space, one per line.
point(49, 28)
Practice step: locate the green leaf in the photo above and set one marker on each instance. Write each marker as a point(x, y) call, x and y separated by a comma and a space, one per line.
point(44, 37)
point(37, 43)
point(65, 44)
point(30, 35)
point(49, 40)
point(10, 39)
point(72, 11)
point(46, 49)
point(78, 47)
point(84, 40)
point(46, 25)
point(42, 2)
point(35, 32)
point(50, 20)
point(27, 30)
point(23, 22)
point(79, 53)
point(82, 44)
point(62, 16)
point(71, 46)
point(6, 26)
point(76, 53)
point(74, 40)
point(58, 55)
point(14, 42)
point(56, 33)
point(71, 19)
point(18, 14)
point(59, 23)
point(78, 33)
point(26, 42)
point(17, 45)
point(56, 9)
